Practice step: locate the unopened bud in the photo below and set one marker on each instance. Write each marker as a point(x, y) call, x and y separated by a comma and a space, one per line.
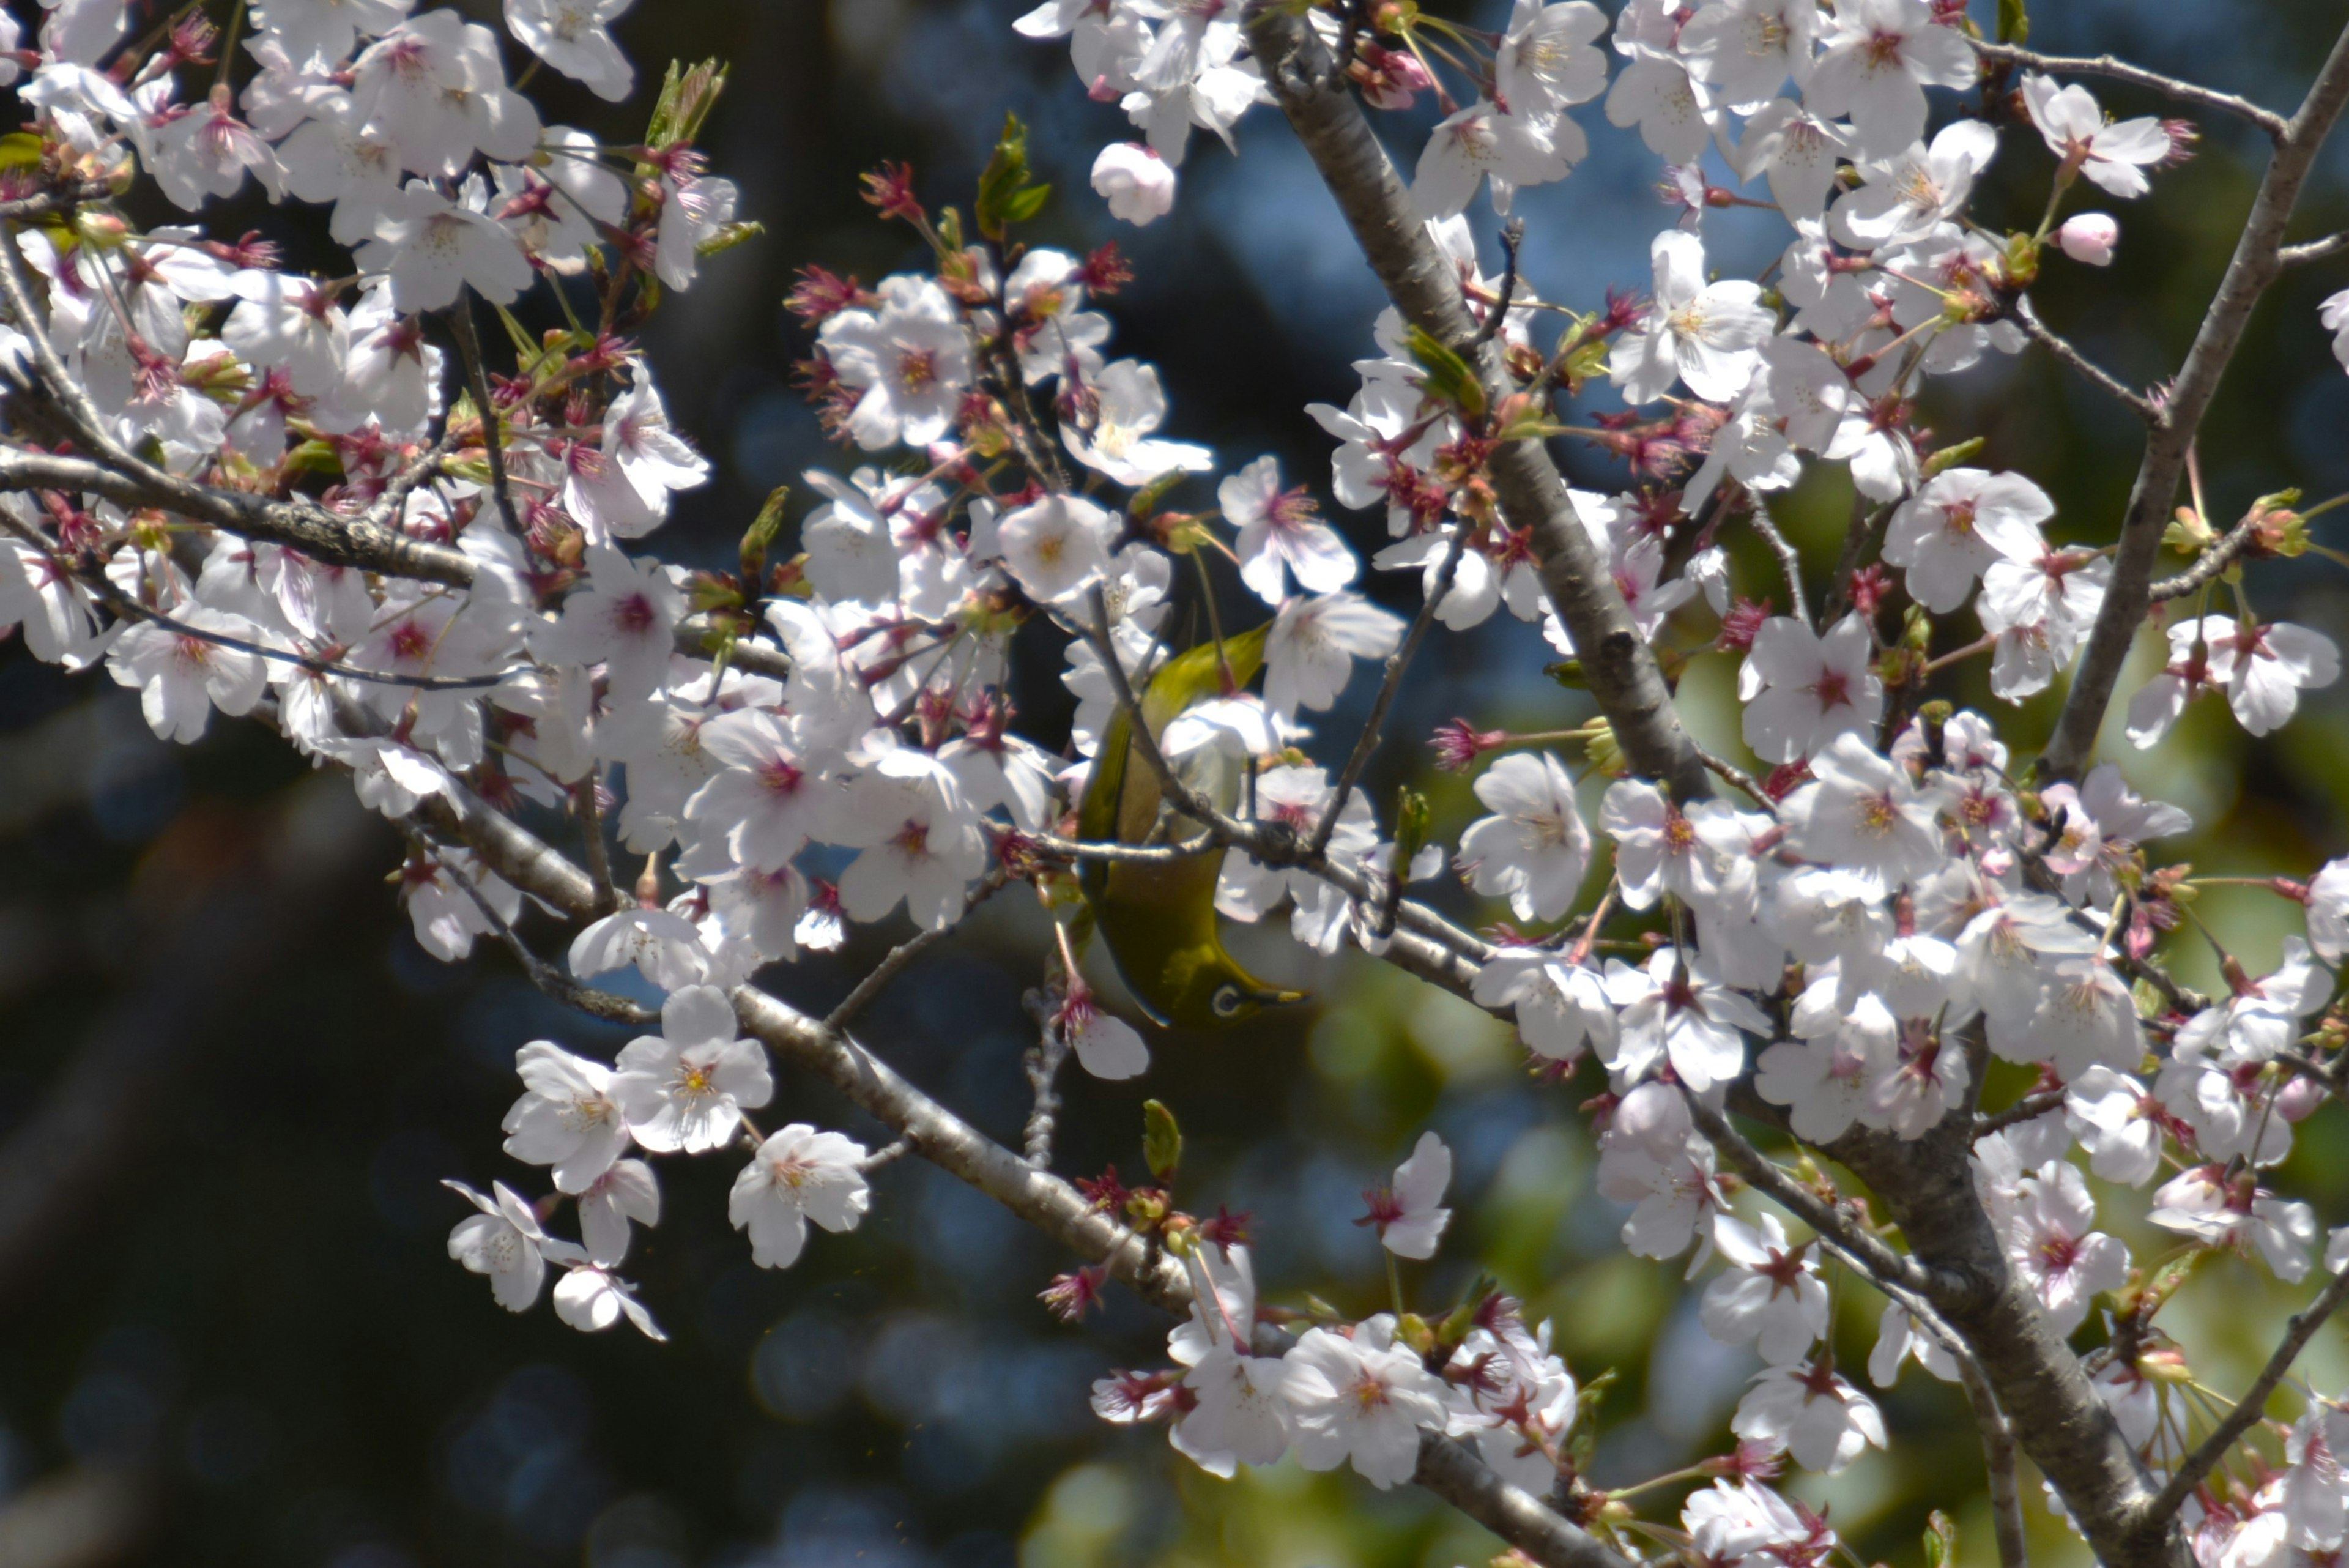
point(2089, 238)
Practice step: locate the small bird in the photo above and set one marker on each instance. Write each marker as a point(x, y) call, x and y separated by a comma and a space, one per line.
point(1159, 920)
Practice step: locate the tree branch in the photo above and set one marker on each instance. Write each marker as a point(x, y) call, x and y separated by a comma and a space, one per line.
point(1998, 1462)
point(2248, 1412)
point(1051, 1205)
point(2324, 249)
point(1620, 667)
point(2267, 119)
point(2254, 266)
point(2038, 331)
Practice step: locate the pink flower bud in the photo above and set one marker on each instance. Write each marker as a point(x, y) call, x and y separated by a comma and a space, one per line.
point(2089, 237)
point(1135, 181)
point(2300, 1099)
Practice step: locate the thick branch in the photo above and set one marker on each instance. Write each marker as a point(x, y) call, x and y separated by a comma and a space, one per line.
point(1620, 667)
point(1460, 1479)
point(2267, 119)
point(2254, 266)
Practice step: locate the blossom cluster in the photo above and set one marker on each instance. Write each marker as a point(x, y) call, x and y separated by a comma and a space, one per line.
point(321, 502)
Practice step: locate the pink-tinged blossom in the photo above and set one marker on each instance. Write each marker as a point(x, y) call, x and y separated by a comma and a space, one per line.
point(1771, 1293)
point(1811, 1413)
point(2208, 1205)
point(434, 248)
point(1906, 196)
point(1797, 153)
point(572, 35)
point(1706, 335)
point(1899, 1336)
point(2058, 1255)
point(1486, 142)
point(685, 1090)
point(1881, 57)
point(1117, 440)
point(1281, 535)
point(567, 1116)
point(798, 1174)
point(2117, 1122)
point(2089, 238)
point(1802, 689)
point(1409, 1211)
point(1675, 1010)
point(1651, 1155)
point(910, 361)
point(1962, 521)
point(2114, 155)
point(435, 87)
point(921, 842)
point(591, 1300)
point(1561, 1008)
point(769, 797)
point(181, 676)
point(2262, 669)
point(2328, 911)
point(1655, 92)
point(1362, 1399)
point(1534, 848)
point(1310, 652)
point(624, 619)
point(1863, 813)
point(1747, 1525)
point(1236, 1414)
point(2084, 1014)
point(505, 1243)
point(1701, 855)
point(1137, 184)
point(625, 1192)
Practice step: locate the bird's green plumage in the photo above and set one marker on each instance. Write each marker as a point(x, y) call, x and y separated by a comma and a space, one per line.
point(1159, 920)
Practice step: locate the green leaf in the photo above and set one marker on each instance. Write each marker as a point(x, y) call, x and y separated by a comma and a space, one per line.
point(1005, 196)
point(19, 150)
point(1162, 1142)
point(1949, 457)
point(687, 96)
point(1448, 376)
point(1941, 1532)
point(2013, 22)
point(1145, 501)
point(761, 533)
point(315, 456)
point(726, 236)
point(1413, 817)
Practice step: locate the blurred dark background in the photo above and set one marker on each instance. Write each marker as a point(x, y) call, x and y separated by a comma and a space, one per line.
point(231, 1083)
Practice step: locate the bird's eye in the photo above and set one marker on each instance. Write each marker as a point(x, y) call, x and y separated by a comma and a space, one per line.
point(1227, 1000)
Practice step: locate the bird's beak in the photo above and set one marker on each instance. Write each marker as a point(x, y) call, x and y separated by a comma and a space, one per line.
point(1278, 998)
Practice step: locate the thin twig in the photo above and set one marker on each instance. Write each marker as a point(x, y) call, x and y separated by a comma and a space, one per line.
point(2214, 561)
point(1496, 316)
point(2251, 268)
point(2249, 1411)
point(1374, 727)
point(2267, 119)
point(2313, 250)
point(469, 348)
point(590, 806)
point(1998, 1461)
point(1790, 560)
point(903, 953)
point(2029, 1108)
point(1863, 537)
point(1878, 1261)
point(596, 1003)
point(2039, 332)
point(1722, 768)
point(889, 1154)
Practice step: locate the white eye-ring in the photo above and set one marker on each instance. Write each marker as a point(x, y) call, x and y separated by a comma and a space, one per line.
point(1227, 1000)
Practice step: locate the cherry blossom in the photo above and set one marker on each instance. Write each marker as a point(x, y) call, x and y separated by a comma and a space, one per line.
point(1802, 689)
point(1361, 1398)
point(1137, 184)
point(2114, 155)
point(1811, 1413)
point(1408, 1211)
point(1533, 847)
point(1704, 334)
point(686, 1089)
point(909, 361)
point(798, 1174)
